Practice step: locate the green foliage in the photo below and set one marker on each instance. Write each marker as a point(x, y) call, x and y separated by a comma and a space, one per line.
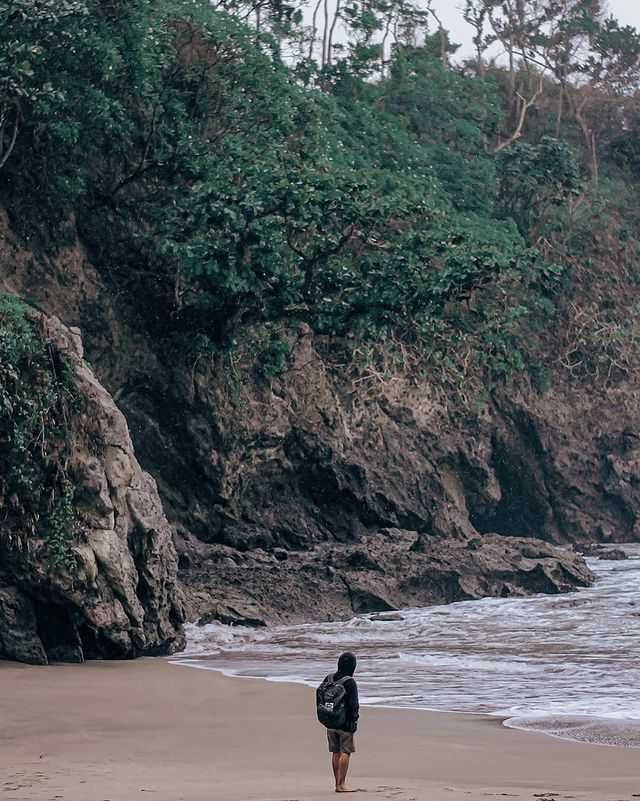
point(624, 152)
point(82, 80)
point(535, 179)
point(234, 190)
point(28, 29)
point(35, 400)
point(273, 358)
point(319, 211)
point(58, 529)
point(454, 116)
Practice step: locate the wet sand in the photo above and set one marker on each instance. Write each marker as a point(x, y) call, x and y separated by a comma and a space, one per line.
point(151, 730)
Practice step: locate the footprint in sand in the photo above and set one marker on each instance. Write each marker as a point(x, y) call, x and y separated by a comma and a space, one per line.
point(391, 792)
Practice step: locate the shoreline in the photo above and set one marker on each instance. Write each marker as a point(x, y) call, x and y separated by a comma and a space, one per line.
point(513, 722)
point(118, 731)
point(229, 675)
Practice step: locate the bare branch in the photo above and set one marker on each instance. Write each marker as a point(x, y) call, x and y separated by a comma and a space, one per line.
point(526, 104)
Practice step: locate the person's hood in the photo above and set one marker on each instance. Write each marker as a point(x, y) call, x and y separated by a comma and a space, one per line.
point(347, 664)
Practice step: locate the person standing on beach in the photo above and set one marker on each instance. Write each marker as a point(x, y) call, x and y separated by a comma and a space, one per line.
point(338, 709)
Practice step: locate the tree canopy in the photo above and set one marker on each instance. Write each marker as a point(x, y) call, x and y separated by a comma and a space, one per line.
point(248, 164)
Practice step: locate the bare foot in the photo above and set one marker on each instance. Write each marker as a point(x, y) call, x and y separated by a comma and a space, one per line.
point(344, 789)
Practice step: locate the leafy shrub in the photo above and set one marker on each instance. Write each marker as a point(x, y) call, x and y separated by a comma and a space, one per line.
point(36, 401)
point(534, 180)
point(273, 358)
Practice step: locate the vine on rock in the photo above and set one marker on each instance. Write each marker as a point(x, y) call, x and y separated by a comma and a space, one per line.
point(37, 400)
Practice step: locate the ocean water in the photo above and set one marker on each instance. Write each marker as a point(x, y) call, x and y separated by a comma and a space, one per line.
point(565, 665)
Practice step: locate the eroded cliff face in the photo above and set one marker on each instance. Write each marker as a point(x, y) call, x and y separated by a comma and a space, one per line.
point(304, 496)
point(120, 598)
point(315, 495)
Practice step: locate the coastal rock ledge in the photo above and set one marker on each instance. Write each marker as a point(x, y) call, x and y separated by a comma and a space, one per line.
point(382, 572)
point(120, 599)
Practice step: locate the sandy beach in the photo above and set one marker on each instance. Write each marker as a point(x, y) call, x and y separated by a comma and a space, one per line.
point(107, 731)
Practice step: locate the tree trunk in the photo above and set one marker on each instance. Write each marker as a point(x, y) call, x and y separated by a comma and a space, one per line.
point(588, 135)
point(325, 33)
point(314, 29)
point(5, 152)
point(560, 110)
point(331, 32)
point(383, 46)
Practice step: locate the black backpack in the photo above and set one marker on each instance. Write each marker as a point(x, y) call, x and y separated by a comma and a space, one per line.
point(332, 703)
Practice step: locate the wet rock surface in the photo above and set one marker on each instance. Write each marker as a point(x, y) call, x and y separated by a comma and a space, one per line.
point(401, 569)
point(599, 551)
point(19, 638)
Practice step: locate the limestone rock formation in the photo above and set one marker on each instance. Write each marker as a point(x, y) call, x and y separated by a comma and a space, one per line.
point(121, 598)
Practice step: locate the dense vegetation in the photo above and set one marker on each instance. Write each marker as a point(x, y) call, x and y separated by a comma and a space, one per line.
point(247, 166)
point(36, 404)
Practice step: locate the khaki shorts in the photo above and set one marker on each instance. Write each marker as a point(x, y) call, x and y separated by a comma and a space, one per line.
point(340, 742)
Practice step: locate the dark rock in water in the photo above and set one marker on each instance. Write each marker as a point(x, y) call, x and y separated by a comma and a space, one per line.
point(391, 618)
point(598, 551)
point(231, 620)
point(366, 596)
point(240, 614)
point(323, 583)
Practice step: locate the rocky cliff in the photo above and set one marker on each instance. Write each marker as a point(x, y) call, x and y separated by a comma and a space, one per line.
point(306, 495)
point(116, 595)
point(318, 493)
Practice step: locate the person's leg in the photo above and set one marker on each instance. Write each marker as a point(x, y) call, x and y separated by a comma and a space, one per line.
point(335, 764)
point(344, 767)
point(347, 747)
point(333, 739)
